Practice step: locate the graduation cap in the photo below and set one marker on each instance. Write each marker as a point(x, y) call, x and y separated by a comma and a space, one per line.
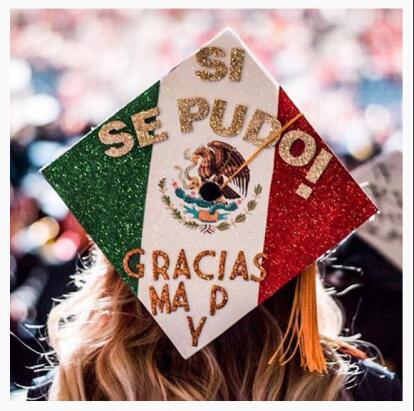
point(382, 177)
point(209, 192)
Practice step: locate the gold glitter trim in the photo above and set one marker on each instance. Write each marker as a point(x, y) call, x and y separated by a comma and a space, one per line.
point(319, 166)
point(106, 137)
point(240, 267)
point(197, 261)
point(142, 128)
point(139, 267)
point(236, 64)
point(258, 119)
point(195, 333)
point(213, 299)
point(181, 268)
point(180, 298)
point(222, 265)
point(187, 116)
point(258, 262)
point(156, 269)
point(286, 144)
point(304, 191)
point(162, 301)
point(217, 115)
point(202, 58)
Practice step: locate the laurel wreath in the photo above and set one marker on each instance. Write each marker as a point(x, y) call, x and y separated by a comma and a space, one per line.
point(177, 215)
point(240, 218)
point(174, 211)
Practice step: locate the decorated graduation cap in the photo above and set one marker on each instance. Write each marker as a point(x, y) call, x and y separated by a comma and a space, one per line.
point(382, 177)
point(210, 191)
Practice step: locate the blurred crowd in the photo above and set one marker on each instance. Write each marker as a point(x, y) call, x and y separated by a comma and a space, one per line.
point(70, 69)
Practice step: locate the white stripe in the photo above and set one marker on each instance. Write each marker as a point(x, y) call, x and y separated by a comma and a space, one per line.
point(162, 232)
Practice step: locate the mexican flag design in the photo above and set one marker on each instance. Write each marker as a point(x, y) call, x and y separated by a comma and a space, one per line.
point(200, 237)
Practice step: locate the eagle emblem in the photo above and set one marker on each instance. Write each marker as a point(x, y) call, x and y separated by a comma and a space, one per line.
point(206, 202)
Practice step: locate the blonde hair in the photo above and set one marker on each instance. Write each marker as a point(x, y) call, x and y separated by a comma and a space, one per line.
point(110, 348)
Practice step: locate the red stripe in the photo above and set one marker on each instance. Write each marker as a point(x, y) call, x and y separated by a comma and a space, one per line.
point(299, 231)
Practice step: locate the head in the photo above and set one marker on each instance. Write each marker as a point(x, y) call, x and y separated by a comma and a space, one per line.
point(202, 154)
point(110, 348)
point(193, 183)
point(198, 154)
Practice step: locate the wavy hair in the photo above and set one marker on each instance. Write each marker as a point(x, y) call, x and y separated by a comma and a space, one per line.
point(108, 347)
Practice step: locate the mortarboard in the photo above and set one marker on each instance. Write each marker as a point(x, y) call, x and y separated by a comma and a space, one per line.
point(209, 192)
point(382, 177)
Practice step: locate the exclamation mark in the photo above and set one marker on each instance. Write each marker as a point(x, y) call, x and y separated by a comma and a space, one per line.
point(318, 167)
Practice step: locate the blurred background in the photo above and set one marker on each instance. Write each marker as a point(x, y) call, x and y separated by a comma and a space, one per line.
point(71, 69)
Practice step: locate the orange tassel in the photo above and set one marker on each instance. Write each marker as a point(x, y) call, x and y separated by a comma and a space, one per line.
point(302, 329)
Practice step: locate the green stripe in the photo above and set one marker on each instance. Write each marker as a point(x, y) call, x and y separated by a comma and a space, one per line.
point(107, 195)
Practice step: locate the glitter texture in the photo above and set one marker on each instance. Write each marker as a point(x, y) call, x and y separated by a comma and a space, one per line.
point(156, 268)
point(319, 165)
point(197, 261)
point(187, 115)
point(299, 231)
point(213, 298)
point(160, 302)
point(310, 201)
point(195, 332)
point(106, 137)
point(236, 64)
point(240, 267)
point(222, 265)
point(98, 191)
point(304, 191)
point(139, 273)
point(142, 128)
point(181, 268)
point(256, 123)
point(217, 115)
point(180, 298)
point(203, 59)
point(258, 262)
point(307, 153)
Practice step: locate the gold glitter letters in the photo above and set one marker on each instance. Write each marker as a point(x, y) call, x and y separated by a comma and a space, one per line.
point(161, 265)
point(203, 59)
point(214, 306)
point(222, 265)
point(217, 115)
point(240, 267)
point(286, 144)
point(143, 128)
point(319, 166)
point(258, 262)
point(160, 302)
point(220, 69)
point(257, 121)
point(181, 268)
point(156, 269)
point(139, 273)
point(317, 169)
point(236, 64)
point(180, 298)
point(195, 332)
point(304, 191)
point(196, 264)
point(107, 137)
point(187, 116)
